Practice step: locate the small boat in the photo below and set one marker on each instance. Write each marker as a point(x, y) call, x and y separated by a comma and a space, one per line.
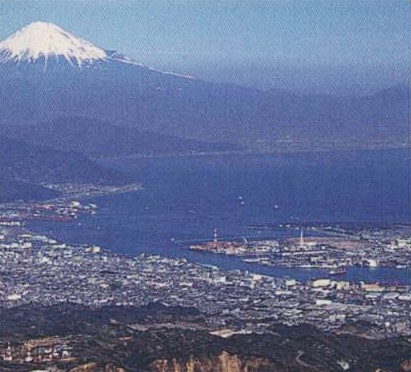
point(337, 272)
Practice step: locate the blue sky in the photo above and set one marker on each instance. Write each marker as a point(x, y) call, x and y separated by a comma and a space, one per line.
point(304, 45)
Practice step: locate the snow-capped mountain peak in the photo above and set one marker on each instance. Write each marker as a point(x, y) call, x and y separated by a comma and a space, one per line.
point(43, 41)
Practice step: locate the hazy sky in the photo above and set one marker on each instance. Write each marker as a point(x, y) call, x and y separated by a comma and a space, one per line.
point(304, 45)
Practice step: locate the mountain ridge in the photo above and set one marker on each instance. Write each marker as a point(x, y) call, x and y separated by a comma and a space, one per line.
point(63, 134)
point(27, 168)
point(128, 94)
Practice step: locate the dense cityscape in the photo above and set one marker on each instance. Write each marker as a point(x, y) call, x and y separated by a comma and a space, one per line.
point(39, 270)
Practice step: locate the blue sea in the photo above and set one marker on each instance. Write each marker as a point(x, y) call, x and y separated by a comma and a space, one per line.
point(186, 198)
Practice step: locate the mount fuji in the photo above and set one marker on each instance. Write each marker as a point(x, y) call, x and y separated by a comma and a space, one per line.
point(40, 40)
point(64, 92)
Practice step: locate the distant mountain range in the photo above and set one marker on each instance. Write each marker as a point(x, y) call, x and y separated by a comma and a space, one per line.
point(65, 93)
point(59, 77)
point(99, 138)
